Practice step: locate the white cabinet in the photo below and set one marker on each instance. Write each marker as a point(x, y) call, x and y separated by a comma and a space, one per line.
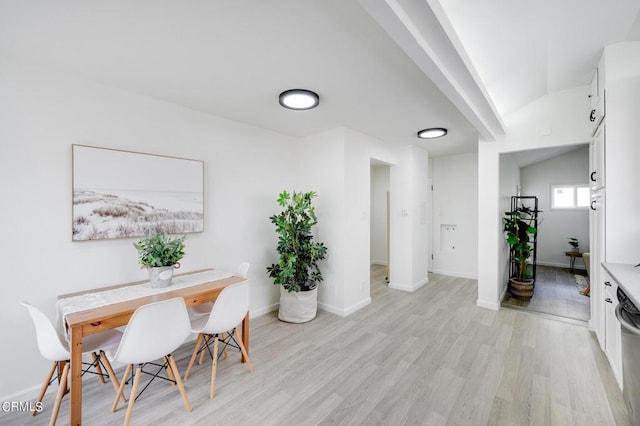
point(597, 256)
point(597, 159)
point(612, 347)
point(596, 101)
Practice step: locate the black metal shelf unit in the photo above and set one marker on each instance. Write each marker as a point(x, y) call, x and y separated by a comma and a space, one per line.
point(530, 201)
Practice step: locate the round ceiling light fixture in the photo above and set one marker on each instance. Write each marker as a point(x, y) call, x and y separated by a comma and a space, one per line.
point(434, 132)
point(299, 99)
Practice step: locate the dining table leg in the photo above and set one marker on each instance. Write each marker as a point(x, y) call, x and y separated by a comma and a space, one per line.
point(76, 376)
point(245, 334)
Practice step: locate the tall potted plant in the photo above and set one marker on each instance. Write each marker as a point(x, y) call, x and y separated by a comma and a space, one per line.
point(160, 254)
point(297, 271)
point(518, 227)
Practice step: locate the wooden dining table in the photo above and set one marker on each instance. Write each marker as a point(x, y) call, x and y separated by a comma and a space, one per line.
point(95, 320)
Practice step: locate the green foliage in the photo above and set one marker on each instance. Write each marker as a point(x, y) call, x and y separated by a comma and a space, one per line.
point(573, 242)
point(160, 250)
point(518, 229)
point(297, 268)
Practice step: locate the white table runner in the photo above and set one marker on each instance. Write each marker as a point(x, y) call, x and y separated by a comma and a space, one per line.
point(83, 302)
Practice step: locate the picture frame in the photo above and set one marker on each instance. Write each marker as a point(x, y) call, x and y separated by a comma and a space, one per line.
point(122, 194)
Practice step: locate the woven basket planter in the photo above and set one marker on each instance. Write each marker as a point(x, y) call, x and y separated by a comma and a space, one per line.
point(522, 290)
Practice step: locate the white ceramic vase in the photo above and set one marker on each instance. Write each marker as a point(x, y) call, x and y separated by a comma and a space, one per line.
point(298, 307)
point(160, 277)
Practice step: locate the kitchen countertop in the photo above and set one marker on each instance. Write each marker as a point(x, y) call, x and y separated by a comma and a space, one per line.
point(628, 278)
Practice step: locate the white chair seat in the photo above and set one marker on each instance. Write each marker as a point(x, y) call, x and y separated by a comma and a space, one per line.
point(154, 331)
point(107, 341)
point(55, 348)
point(202, 309)
point(230, 308)
point(198, 324)
point(205, 308)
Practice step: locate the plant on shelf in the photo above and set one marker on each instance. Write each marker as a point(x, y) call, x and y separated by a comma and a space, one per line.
point(161, 254)
point(518, 227)
point(573, 242)
point(297, 270)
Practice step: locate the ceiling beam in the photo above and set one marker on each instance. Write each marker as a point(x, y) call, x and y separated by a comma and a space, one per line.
point(423, 31)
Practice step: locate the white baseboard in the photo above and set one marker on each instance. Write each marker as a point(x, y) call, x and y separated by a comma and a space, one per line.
point(346, 311)
point(454, 274)
point(409, 288)
point(562, 265)
point(488, 305)
point(263, 311)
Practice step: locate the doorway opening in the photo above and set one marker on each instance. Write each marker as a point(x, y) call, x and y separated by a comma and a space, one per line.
point(561, 285)
point(380, 227)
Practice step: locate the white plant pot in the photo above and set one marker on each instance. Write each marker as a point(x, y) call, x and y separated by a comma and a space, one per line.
point(160, 277)
point(298, 307)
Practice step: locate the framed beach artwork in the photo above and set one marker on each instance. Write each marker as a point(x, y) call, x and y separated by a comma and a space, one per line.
point(119, 194)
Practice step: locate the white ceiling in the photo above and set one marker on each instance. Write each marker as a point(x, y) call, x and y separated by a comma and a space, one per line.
point(533, 156)
point(373, 62)
point(523, 50)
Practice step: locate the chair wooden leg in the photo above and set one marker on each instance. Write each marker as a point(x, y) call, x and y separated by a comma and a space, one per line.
point(193, 356)
point(132, 397)
point(206, 340)
point(112, 375)
point(176, 373)
point(123, 382)
point(45, 386)
point(98, 368)
point(223, 336)
point(244, 351)
point(214, 366)
point(60, 395)
point(169, 370)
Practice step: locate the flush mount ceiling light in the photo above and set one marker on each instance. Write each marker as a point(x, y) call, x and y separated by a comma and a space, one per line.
point(434, 132)
point(299, 99)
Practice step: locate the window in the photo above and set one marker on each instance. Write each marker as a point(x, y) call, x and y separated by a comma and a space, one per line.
point(570, 196)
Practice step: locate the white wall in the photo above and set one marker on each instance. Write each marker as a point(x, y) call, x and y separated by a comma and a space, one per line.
point(409, 235)
point(421, 232)
point(455, 202)
point(337, 164)
point(555, 120)
point(558, 225)
point(379, 190)
point(321, 165)
point(41, 114)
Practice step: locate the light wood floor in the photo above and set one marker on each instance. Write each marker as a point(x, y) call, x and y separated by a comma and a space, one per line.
point(555, 293)
point(429, 357)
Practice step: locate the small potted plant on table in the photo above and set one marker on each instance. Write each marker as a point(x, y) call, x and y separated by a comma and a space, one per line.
point(574, 243)
point(160, 254)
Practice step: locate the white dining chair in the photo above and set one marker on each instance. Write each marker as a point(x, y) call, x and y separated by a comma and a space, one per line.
point(154, 331)
point(205, 308)
point(56, 349)
point(227, 314)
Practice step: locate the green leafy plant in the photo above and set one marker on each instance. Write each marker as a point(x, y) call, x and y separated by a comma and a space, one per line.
point(156, 250)
point(518, 228)
point(297, 268)
point(573, 242)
